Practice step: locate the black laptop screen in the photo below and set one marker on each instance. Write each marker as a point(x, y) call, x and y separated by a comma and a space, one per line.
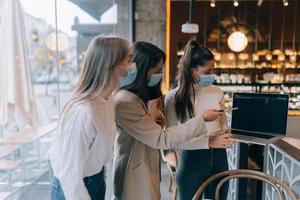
point(260, 113)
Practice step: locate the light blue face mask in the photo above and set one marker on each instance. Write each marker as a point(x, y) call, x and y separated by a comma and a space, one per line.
point(154, 79)
point(131, 75)
point(206, 80)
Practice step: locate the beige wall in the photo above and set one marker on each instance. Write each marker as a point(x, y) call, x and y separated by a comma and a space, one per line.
point(151, 21)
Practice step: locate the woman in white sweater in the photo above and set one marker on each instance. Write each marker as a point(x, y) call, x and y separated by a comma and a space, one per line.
point(84, 140)
point(194, 95)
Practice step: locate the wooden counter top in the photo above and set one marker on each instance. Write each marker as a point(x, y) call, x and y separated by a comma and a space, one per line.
point(290, 145)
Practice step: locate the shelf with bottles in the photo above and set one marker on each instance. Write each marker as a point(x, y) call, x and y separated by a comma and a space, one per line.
point(262, 67)
point(261, 59)
point(260, 84)
point(269, 78)
point(293, 91)
point(257, 70)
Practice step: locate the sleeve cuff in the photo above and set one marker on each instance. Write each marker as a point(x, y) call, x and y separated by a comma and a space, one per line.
point(200, 142)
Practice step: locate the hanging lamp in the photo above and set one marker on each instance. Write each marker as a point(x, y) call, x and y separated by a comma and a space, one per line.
point(190, 27)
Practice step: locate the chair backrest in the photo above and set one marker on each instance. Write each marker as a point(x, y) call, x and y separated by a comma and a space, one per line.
point(225, 176)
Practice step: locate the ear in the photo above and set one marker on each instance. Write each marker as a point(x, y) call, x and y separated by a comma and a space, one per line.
point(195, 75)
point(149, 73)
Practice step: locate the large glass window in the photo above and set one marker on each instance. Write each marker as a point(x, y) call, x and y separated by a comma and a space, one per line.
point(43, 45)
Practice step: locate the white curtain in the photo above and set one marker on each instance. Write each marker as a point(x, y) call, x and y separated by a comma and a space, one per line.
point(17, 106)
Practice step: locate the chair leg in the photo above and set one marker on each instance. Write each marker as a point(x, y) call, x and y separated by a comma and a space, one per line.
point(171, 183)
point(174, 192)
point(171, 177)
point(174, 187)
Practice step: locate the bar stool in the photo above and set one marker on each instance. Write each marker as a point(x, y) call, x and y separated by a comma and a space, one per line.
point(277, 184)
point(171, 159)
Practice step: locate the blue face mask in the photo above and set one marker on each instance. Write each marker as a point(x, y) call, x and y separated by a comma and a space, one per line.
point(154, 79)
point(206, 80)
point(131, 75)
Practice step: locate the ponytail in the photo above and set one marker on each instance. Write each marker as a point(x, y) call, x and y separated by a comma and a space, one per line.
point(194, 55)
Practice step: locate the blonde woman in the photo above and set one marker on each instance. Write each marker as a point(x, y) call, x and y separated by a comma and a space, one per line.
point(84, 140)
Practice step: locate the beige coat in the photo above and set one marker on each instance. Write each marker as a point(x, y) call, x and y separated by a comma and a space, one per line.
point(136, 163)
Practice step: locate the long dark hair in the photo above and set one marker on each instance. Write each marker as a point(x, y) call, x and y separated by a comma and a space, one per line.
point(146, 56)
point(194, 55)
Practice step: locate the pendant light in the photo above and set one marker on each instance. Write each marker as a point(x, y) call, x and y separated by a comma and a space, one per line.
point(255, 56)
point(268, 54)
point(190, 27)
point(281, 57)
point(205, 25)
point(217, 55)
point(293, 56)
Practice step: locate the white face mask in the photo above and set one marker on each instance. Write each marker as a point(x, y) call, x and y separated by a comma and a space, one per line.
point(206, 80)
point(131, 75)
point(154, 79)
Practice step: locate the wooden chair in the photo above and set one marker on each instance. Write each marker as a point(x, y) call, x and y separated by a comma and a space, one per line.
point(277, 184)
point(171, 159)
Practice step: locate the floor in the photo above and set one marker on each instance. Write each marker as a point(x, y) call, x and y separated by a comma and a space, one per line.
point(41, 189)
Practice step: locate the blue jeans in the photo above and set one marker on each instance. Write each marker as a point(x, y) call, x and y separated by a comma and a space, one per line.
point(94, 184)
point(195, 167)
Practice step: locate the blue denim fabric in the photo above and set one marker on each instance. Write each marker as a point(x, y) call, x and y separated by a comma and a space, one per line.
point(195, 167)
point(95, 185)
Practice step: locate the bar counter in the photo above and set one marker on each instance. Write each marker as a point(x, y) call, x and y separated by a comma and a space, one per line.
point(281, 160)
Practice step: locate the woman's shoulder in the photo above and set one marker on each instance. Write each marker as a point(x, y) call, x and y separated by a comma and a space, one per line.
point(78, 115)
point(79, 111)
point(127, 100)
point(172, 92)
point(125, 96)
point(215, 89)
point(170, 96)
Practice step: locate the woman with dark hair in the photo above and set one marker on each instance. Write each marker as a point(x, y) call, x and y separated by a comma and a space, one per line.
point(136, 163)
point(192, 97)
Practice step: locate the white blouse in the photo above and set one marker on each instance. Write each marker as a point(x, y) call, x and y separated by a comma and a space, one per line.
point(82, 145)
point(210, 97)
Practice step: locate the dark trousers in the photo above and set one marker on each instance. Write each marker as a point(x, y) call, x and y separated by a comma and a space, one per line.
point(195, 167)
point(94, 184)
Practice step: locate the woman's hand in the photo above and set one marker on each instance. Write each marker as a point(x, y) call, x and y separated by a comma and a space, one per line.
point(212, 114)
point(160, 120)
point(223, 139)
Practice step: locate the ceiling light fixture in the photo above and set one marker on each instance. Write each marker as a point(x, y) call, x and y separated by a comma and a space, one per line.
point(235, 3)
point(237, 41)
point(259, 2)
point(213, 3)
point(190, 27)
point(285, 2)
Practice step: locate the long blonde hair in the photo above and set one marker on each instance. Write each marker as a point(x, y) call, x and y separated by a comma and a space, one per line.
point(103, 55)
